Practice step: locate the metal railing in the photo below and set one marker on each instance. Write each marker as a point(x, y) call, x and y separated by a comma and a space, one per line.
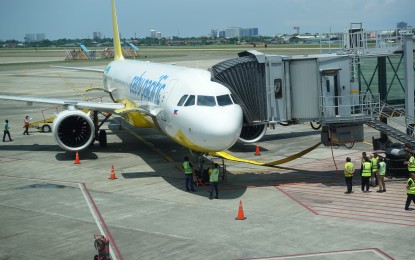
point(352, 108)
point(396, 117)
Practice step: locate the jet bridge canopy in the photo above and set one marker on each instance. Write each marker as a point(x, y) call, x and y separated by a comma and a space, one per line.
point(245, 78)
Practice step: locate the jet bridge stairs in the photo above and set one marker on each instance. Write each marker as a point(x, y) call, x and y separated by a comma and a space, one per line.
point(395, 116)
point(387, 119)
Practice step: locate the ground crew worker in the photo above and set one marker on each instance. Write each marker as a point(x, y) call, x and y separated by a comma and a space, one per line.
point(366, 173)
point(410, 190)
point(6, 131)
point(374, 161)
point(213, 179)
point(381, 175)
point(26, 123)
point(188, 173)
point(348, 174)
point(411, 163)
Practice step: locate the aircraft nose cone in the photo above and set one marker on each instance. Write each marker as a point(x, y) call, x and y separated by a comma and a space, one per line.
point(222, 129)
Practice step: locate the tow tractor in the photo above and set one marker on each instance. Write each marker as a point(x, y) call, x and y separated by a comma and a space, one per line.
point(45, 125)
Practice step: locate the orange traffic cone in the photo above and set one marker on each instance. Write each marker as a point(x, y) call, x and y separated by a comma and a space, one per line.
point(77, 158)
point(240, 212)
point(257, 152)
point(112, 174)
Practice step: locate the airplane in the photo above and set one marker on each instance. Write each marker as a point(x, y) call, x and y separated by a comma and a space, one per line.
point(183, 103)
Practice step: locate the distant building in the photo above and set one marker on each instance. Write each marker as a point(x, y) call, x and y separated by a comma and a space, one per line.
point(236, 32)
point(296, 30)
point(40, 37)
point(158, 35)
point(31, 37)
point(214, 33)
point(401, 25)
point(233, 32)
point(152, 34)
point(97, 35)
point(249, 32)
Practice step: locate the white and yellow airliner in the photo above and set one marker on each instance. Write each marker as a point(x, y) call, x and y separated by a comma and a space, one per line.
point(183, 103)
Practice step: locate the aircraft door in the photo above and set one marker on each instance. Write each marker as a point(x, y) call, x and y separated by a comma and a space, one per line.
point(165, 96)
point(330, 93)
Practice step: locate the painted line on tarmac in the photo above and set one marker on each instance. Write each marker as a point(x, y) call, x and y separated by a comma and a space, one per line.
point(376, 251)
point(296, 200)
point(100, 222)
point(148, 144)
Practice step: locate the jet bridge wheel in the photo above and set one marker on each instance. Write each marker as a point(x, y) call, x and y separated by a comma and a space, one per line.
point(102, 138)
point(315, 127)
point(349, 145)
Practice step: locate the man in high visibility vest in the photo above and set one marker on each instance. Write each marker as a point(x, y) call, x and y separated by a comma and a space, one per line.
point(366, 173)
point(213, 179)
point(381, 175)
point(348, 174)
point(188, 173)
point(374, 160)
point(410, 190)
point(411, 163)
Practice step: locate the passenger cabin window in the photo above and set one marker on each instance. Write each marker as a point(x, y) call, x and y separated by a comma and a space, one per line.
point(208, 101)
point(190, 101)
point(181, 101)
point(224, 100)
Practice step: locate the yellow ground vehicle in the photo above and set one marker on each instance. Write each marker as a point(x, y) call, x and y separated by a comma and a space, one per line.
point(44, 125)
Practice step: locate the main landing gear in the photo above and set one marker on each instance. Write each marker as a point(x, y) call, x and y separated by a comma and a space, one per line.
point(100, 134)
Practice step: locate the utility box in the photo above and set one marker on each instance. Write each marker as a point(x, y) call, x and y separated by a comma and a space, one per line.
point(342, 134)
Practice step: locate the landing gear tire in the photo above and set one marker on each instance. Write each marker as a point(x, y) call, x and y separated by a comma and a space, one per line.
point(102, 138)
point(46, 128)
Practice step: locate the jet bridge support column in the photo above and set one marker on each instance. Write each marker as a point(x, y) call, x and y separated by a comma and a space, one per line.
point(408, 48)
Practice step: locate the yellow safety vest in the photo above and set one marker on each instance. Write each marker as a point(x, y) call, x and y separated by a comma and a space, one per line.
point(367, 169)
point(411, 164)
point(348, 167)
point(411, 189)
point(187, 168)
point(214, 175)
point(382, 168)
point(374, 162)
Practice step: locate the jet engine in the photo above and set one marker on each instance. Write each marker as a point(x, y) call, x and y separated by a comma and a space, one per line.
point(252, 133)
point(73, 130)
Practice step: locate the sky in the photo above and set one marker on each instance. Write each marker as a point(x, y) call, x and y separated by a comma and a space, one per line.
point(74, 19)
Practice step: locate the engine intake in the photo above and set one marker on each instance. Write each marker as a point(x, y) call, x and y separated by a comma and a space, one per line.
point(252, 133)
point(73, 130)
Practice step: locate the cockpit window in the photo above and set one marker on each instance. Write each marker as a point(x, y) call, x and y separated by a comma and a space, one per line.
point(206, 101)
point(224, 100)
point(181, 101)
point(190, 101)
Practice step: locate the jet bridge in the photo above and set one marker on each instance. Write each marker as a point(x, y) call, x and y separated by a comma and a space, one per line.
point(275, 89)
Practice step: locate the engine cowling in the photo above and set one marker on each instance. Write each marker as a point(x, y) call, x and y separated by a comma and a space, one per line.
point(252, 133)
point(73, 130)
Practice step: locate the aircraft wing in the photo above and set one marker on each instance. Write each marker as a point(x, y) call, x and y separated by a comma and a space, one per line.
point(79, 69)
point(98, 106)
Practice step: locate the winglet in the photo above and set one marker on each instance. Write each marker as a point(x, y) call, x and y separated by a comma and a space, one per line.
point(117, 43)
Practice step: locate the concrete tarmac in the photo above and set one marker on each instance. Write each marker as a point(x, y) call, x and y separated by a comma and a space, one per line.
point(51, 208)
